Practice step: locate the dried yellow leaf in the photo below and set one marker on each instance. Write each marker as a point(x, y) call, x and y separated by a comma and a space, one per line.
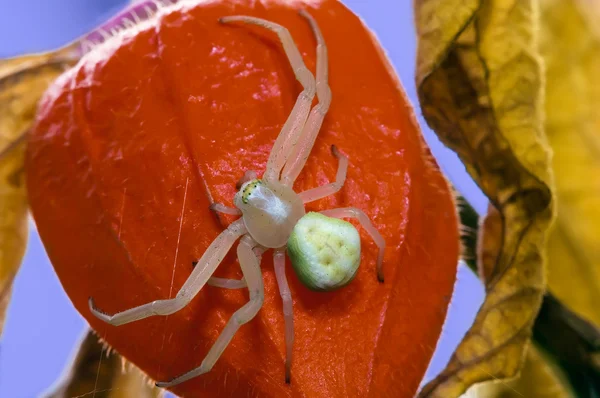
point(479, 82)
point(538, 379)
point(97, 372)
point(570, 45)
point(22, 82)
point(13, 222)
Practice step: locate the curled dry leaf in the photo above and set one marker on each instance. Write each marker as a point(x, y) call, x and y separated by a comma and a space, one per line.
point(539, 378)
point(22, 82)
point(570, 44)
point(97, 372)
point(479, 83)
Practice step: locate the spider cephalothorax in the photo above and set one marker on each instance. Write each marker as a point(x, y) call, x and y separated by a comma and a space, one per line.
point(270, 210)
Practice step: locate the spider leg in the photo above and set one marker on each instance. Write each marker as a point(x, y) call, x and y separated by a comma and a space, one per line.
point(221, 208)
point(252, 274)
point(292, 128)
point(227, 283)
point(288, 316)
point(365, 222)
point(235, 283)
point(198, 278)
point(302, 149)
point(248, 176)
point(329, 189)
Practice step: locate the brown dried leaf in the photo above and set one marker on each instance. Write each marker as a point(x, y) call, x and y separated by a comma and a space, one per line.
point(539, 379)
point(22, 82)
point(97, 372)
point(479, 82)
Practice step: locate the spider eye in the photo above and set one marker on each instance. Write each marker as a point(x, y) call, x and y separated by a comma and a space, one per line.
point(257, 196)
point(248, 188)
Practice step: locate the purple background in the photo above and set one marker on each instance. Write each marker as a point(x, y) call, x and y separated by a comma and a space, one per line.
point(42, 327)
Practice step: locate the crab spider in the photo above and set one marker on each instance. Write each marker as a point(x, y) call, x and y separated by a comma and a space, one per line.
point(269, 208)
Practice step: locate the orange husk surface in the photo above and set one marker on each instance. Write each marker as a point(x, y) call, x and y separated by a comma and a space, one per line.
point(134, 143)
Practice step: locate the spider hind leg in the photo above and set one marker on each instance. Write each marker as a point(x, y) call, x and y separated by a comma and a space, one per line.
point(253, 276)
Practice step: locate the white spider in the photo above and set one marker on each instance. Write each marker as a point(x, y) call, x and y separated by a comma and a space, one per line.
point(269, 208)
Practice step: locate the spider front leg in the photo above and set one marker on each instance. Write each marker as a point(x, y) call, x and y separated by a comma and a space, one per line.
point(329, 189)
point(249, 175)
point(292, 128)
point(206, 267)
point(253, 276)
point(297, 159)
point(365, 222)
point(221, 208)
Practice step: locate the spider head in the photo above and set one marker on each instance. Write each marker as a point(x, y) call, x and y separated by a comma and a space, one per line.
point(270, 211)
point(256, 196)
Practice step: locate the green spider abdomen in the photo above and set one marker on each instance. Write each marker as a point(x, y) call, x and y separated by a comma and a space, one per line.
point(325, 251)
